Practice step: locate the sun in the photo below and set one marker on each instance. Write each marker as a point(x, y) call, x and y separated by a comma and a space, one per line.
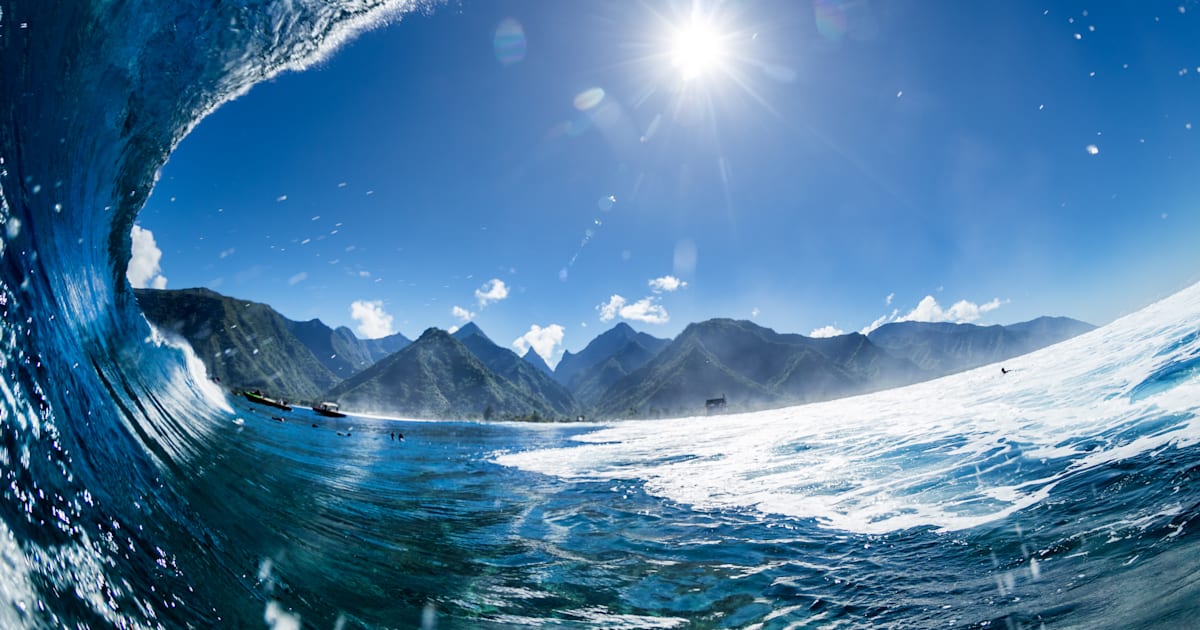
point(697, 49)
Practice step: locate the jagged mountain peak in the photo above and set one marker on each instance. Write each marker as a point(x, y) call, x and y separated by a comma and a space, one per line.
point(468, 329)
point(536, 360)
point(433, 333)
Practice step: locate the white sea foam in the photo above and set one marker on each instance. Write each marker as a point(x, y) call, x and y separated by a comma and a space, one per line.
point(193, 380)
point(953, 453)
point(16, 585)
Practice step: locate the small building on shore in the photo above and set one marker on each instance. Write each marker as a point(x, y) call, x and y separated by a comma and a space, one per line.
point(715, 405)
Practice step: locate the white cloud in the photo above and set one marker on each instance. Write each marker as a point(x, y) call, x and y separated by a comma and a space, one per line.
point(754, 312)
point(666, 283)
point(961, 312)
point(646, 310)
point(544, 341)
point(452, 329)
point(493, 290)
point(826, 331)
point(928, 310)
point(461, 313)
point(608, 310)
point(888, 300)
point(226, 253)
point(298, 278)
point(883, 319)
point(373, 322)
point(144, 270)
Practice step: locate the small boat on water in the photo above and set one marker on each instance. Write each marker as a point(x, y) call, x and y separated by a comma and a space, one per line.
point(329, 409)
point(258, 397)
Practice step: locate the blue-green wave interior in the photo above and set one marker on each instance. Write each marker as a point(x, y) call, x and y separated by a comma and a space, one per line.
point(136, 495)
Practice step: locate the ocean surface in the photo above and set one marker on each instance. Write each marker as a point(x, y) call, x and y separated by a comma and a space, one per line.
point(134, 494)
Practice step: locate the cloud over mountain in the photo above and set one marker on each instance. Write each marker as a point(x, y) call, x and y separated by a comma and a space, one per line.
point(373, 321)
point(144, 271)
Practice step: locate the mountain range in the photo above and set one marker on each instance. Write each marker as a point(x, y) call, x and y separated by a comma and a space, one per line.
point(620, 373)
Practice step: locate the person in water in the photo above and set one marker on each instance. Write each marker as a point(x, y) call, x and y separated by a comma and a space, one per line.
point(1003, 370)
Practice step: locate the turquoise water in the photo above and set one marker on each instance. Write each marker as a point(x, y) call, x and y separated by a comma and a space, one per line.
point(134, 494)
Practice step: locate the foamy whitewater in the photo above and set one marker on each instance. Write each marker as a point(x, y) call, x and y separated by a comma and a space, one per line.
point(133, 494)
point(952, 454)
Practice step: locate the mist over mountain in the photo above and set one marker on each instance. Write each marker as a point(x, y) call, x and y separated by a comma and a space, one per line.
point(944, 348)
point(600, 349)
point(753, 367)
point(605, 360)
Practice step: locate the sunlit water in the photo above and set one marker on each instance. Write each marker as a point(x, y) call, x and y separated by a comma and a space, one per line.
point(133, 494)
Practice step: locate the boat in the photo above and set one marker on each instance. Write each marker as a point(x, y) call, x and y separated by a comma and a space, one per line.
point(328, 409)
point(258, 397)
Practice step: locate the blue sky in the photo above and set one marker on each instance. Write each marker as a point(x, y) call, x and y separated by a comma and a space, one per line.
point(548, 169)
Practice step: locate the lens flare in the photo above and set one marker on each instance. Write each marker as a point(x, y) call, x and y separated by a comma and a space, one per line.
point(508, 43)
point(588, 99)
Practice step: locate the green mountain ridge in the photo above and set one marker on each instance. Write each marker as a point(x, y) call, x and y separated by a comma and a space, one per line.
point(754, 368)
point(522, 375)
point(437, 376)
point(947, 348)
point(244, 344)
point(620, 373)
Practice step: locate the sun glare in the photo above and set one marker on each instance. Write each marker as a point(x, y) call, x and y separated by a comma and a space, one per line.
point(697, 49)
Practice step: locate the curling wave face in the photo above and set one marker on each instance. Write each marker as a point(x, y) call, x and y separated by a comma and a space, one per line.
point(93, 97)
